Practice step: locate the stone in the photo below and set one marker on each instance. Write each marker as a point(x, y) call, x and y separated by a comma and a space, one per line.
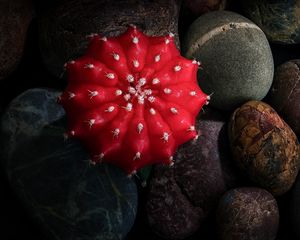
point(64, 28)
point(181, 198)
point(284, 95)
point(294, 208)
point(15, 17)
point(264, 147)
point(68, 197)
point(198, 7)
point(279, 19)
point(237, 63)
point(247, 213)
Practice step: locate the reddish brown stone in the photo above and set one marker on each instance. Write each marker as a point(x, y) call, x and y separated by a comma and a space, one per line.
point(264, 147)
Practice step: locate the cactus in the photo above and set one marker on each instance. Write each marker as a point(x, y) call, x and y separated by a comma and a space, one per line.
point(132, 99)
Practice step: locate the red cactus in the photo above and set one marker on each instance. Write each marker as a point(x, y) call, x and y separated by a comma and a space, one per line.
point(132, 99)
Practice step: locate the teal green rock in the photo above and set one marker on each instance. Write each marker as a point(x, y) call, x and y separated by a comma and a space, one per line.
point(279, 19)
point(236, 58)
point(68, 197)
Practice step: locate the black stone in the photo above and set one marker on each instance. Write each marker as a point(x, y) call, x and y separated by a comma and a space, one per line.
point(69, 198)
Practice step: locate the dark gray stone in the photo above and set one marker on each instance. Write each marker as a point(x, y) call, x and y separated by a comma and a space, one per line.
point(284, 95)
point(247, 213)
point(64, 28)
point(181, 198)
point(69, 198)
point(15, 17)
point(236, 56)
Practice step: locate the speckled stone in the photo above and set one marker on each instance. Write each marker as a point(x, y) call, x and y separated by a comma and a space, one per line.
point(247, 213)
point(69, 198)
point(279, 19)
point(264, 147)
point(64, 28)
point(236, 57)
point(15, 17)
point(180, 198)
point(285, 93)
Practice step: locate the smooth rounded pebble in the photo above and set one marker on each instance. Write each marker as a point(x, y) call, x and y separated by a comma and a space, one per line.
point(237, 63)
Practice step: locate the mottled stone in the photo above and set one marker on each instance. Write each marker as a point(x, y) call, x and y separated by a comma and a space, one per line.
point(69, 198)
point(285, 93)
point(236, 58)
point(247, 213)
point(63, 29)
point(15, 17)
point(264, 147)
point(180, 198)
point(279, 19)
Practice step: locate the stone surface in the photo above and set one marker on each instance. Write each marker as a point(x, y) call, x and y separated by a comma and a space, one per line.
point(236, 58)
point(285, 93)
point(247, 213)
point(264, 147)
point(69, 198)
point(279, 19)
point(294, 208)
point(180, 198)
point(15, 17)
point(198, 7)
point(63, 29)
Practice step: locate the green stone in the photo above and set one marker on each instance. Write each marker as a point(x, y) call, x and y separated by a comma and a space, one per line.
point(236, 57)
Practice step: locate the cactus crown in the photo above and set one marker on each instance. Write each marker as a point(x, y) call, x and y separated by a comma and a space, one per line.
point(132, 99)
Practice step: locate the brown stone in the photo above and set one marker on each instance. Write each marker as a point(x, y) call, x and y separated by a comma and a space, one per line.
point(264, 147)
point(15, 17)
point(63, 29)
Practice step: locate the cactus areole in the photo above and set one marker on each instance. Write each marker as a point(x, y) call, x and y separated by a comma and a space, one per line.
point(132, 99)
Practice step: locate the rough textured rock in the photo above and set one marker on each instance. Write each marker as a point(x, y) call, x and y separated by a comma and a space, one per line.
point(236, 58)
point(15, 17)
point(64, 28)
point(279, 19)
point(180, 198)
point(68, 197)
point(285, 93)
point(264, 147)
point(247, 213)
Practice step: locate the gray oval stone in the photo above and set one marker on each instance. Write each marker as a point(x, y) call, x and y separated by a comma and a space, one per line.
point(69, 198)
point(236, 57)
